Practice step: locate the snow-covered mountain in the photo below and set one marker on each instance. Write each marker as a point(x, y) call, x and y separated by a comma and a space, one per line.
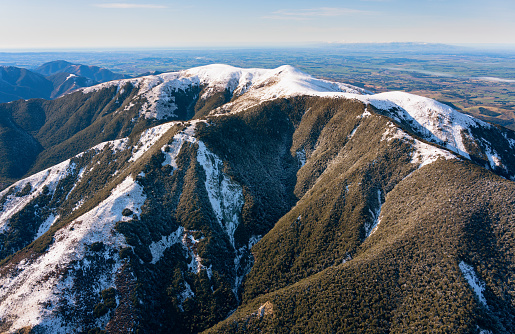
point(185, 196)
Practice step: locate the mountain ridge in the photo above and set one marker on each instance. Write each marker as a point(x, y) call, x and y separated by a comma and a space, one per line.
point(50, 80)
point(274, 194)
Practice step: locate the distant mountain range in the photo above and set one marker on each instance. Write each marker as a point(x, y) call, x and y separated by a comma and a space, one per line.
point(227, 200)
point(50, 80)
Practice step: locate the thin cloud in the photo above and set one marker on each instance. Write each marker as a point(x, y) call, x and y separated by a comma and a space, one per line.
point(308, 14)
point(128, 6)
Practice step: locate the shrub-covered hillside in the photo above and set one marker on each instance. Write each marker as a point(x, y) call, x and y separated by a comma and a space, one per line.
point(276, 203)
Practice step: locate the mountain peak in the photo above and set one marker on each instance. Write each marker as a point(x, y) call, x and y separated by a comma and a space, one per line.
point(185, 196)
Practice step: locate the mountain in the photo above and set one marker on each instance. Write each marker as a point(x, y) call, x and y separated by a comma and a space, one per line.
point(19, 83)
point(94, 73)
point(65, 83)
point(50, 80)
point(232, 200)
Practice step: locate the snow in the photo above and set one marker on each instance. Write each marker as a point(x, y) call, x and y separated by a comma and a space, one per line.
point(48, 177)
point(225, 195)
point(434, 121)
point(119, 144)
point(160, 102)
point(25, 289)
point(423, 154)
point(370, 229)
point(46, 225)
point(156, 91)
point(483, 331)
point(493, 158)
point(477, 285)
point(186, 135)
point(242, 272)
point(437, 122)
point(301, 157)
point(195, 266)
point(35, 282)
point(158, 248)
point(185, 294)
point(353, 132)
point(366, 113)
point(148, 138)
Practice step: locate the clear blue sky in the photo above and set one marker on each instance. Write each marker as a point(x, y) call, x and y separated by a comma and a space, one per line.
point(157, 23)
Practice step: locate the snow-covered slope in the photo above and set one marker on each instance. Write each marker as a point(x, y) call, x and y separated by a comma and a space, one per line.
point(426, 118)
point(157, 91)
point(34, 290)
point(163, 198)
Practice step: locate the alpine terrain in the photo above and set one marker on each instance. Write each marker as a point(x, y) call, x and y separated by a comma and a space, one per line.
point(50, 80)
point(228, 200)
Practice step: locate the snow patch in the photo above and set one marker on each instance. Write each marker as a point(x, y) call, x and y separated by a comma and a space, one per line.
point(425, 154)
point(171, 151)
point(148, 138)
point(301, 157)
point(185, 294)
point(158, 248)
point(370, 229)
point(47, 178)
point(39, 282)
point(225, 195)
point(477, 285)
point(483, 331)
point(366, 113)
point(241, 271)
point(493, 158)
point(46, 225)
point(190, 245)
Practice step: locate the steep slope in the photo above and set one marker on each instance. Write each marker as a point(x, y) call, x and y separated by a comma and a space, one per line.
point(73, 123)
point(437, 263)
point(18, 149)
point(65, 83)
point(19, 83)
point(304, 205)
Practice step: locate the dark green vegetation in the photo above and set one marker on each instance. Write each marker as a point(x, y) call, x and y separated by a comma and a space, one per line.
point(316, 175)
point(19, 83)
point(36, 134)
point(405, 277)
point(320, 273)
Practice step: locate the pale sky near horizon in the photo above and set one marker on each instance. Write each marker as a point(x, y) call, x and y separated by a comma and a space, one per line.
point(157, 23)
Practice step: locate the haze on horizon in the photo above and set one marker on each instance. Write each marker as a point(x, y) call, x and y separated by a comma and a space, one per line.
point(59, 24)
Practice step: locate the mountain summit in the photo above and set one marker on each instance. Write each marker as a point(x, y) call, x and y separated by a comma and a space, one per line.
point(222, 199)
point(94, 73)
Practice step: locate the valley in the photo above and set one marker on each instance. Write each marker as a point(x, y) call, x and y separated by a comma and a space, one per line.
point(221, 199)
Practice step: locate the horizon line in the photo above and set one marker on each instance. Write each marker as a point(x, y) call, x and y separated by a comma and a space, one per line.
point(486, 46)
